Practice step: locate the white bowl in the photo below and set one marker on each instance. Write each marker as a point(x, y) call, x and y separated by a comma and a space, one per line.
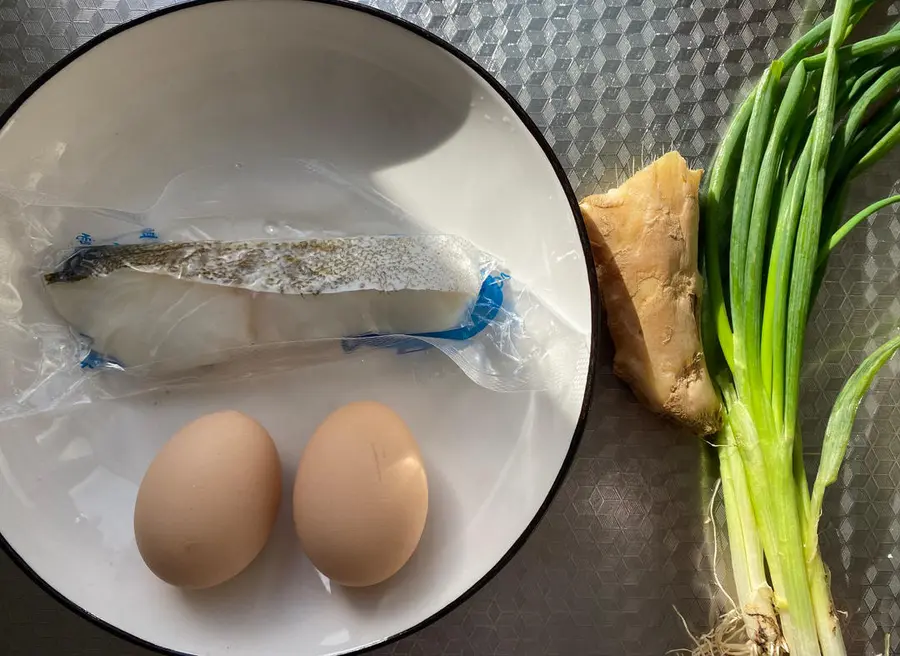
point(383, 101)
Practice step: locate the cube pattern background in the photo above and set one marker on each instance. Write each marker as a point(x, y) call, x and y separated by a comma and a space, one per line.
point(626, 541)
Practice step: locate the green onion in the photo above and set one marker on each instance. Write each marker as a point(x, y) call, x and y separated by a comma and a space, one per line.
point(837, 433)
point(886, 82)
point(852, 223)
point(771, 215)
point(860, 49)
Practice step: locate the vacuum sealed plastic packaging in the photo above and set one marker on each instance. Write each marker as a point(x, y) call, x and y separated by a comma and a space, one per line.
point(185, 304)
point(111, 303)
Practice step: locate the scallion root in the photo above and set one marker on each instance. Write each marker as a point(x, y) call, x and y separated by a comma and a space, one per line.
point(728, 638)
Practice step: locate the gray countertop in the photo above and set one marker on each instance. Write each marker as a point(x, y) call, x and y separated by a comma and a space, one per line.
point(611, 83)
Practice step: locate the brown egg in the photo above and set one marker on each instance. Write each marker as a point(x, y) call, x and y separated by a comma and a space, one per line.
point(361, 495)
point(208, 502)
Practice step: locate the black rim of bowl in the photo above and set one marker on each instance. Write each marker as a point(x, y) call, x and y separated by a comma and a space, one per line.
point(592, 282)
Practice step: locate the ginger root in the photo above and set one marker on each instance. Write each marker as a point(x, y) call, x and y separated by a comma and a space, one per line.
point(644, 240)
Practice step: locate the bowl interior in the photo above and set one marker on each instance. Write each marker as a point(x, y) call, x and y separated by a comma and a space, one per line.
point(263, 86)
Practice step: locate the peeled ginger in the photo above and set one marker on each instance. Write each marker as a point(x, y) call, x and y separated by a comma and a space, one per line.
point(644, 240)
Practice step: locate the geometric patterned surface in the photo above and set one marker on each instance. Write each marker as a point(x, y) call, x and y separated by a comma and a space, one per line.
point(612, 83)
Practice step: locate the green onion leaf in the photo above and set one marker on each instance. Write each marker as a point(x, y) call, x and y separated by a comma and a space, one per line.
point(837, 433)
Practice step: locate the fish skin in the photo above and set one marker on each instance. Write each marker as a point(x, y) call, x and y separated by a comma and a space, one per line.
point(317, 266)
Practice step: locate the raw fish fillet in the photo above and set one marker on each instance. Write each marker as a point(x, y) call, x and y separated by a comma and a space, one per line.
point(194, 302)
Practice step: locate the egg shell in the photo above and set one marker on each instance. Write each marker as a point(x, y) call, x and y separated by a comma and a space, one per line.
point(361, 495)
point(208, 502)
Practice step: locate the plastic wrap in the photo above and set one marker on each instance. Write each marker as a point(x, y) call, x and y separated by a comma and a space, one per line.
point(104, 303)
